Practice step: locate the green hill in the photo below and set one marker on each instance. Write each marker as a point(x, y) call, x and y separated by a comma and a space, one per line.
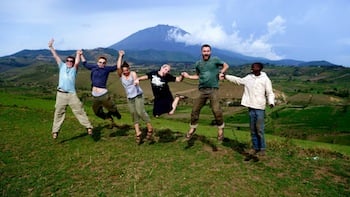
point(111, 164)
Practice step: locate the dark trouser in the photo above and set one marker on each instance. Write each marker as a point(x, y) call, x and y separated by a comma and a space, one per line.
point(257, 128)
point(105, 101)
point(204, 95)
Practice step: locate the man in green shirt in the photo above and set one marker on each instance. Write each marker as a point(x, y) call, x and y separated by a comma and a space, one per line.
point(207, 72)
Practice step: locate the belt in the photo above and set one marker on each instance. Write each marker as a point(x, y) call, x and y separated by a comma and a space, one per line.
point(140, 95)
point(62, 91)
point(205, 88)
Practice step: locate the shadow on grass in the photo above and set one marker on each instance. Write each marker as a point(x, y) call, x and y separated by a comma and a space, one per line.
point(233, 144)
point(96, 136)
point(74, 138)
point(121, 131)
point(167, 135)
point(240, 148)
point(204, 140)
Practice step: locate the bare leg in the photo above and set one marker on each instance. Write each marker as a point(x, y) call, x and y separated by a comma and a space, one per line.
point(138, 133)
point(174, 105)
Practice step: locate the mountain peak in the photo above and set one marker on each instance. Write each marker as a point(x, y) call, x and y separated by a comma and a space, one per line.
point(159, 37)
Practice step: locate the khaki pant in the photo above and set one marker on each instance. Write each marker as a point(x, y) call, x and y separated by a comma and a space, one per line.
point(62, 101)
point(137, 109)
point(204, 95)
point(105, 101)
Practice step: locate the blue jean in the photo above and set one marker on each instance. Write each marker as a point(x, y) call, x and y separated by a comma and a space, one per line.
point(257, 126)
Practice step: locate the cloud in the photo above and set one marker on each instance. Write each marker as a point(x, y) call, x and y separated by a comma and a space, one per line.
point(215, 34)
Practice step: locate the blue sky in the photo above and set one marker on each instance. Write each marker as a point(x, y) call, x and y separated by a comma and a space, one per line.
point(275, 29)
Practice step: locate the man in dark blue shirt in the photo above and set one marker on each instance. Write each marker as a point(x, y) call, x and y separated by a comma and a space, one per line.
point(99, 77)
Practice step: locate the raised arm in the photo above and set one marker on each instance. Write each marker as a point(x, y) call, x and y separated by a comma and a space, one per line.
point(79, 53)
point(53, 51)
point(119, 63)
point(85, 64)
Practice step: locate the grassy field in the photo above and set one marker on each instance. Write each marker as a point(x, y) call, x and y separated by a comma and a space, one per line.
point(111, 164)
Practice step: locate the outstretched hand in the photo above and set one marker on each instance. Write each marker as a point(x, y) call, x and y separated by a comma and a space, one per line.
point(80, 52)
point(51, 42)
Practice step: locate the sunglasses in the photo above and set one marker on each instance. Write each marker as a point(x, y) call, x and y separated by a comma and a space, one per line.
point(102, 62)
point(69, 61)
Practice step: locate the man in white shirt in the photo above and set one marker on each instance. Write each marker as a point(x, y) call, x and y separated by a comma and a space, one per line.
point(257, 88)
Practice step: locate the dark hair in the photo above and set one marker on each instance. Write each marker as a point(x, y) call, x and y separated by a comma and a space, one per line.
point(206, 45)
point(125, 64)
point(102, 57)
point(71, 57)
point(261, 66)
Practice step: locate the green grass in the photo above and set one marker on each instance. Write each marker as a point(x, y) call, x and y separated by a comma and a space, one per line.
point(111, 164)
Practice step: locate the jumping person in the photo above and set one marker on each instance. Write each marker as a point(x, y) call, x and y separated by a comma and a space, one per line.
point(66, 92)
point(164, 102)
point(135, 98)
point(207, 72)
point(101, 97)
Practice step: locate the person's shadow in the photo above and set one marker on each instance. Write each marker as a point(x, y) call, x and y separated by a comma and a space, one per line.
point(233, 144)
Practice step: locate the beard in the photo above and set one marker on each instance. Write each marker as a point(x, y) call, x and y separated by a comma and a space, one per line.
point(206, 57)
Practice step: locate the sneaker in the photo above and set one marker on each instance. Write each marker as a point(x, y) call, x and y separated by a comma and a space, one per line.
point(261, 153)
point(54, 135)
point(253, 152)
point(112, 124)
point(89, 131)
point(117, 114)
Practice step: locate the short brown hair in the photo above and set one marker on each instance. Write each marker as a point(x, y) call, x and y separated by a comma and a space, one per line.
point(102, 57)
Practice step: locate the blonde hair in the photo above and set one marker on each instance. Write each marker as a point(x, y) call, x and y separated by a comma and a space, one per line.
point(166, 65)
